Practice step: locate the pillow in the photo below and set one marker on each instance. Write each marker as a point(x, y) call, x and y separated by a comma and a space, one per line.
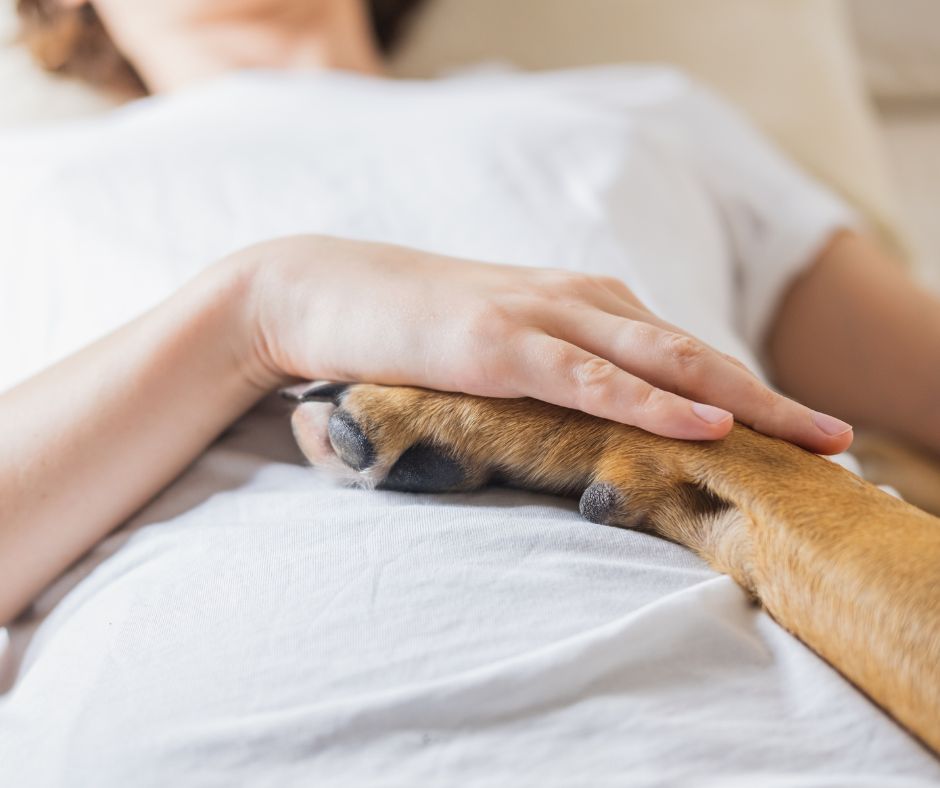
point(900, 47)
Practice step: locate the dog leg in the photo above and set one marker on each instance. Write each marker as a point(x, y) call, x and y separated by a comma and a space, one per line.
point(850, 570)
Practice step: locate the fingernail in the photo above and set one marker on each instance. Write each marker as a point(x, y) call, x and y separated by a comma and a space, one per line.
point(830, 424)
point(709, 413)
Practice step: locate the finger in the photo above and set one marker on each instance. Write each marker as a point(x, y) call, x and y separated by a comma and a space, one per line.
point(617, 299)
point(682, 364)
point(556, 371)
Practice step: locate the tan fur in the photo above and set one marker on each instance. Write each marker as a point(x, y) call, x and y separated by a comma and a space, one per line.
point(850, 570)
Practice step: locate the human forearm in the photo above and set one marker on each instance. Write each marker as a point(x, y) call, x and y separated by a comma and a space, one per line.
point(88, 441)
point(855, 336)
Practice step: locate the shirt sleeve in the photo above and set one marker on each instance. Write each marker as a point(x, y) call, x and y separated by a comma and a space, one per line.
point(777, 218)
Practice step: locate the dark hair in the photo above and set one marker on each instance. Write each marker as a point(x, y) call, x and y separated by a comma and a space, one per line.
point(388, 20)
point(73, 41)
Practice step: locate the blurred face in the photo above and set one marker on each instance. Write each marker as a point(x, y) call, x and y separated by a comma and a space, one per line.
point(169, 14)
point(173, 42)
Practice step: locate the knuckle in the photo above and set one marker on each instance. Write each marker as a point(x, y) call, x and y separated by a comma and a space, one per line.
point(634, 338)
point(766, 404)
point(768, 401)
point(610, 282)
point(593, 377)
point(565, 283)
point(736, 362)
point(647, 400)
point(684, 352)
point(594, 372)
point(487, 322)
point(641, 334)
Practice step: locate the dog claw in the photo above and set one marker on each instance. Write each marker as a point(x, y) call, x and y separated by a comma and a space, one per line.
point(319, 390)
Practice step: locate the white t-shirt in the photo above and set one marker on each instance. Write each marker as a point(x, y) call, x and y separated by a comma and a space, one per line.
point(256, 625)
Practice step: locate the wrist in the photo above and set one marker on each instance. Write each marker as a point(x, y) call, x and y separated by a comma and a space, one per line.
point(260, 285)
point(233, 286)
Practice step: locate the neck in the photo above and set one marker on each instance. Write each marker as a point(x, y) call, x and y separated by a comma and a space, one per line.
point(329, 36)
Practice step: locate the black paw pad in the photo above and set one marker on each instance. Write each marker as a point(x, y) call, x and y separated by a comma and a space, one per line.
point(350, 442)
point(601, 503)
point(424, 468)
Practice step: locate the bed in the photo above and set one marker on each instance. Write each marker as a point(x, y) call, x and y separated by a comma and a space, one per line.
point(212, 639)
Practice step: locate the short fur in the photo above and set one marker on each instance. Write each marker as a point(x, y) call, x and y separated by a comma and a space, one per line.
point(850, 570)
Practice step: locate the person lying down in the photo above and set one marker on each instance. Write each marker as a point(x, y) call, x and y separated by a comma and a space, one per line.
point(614, 240)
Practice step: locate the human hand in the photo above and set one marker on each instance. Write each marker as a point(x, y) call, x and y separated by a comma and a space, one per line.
point(326, 308)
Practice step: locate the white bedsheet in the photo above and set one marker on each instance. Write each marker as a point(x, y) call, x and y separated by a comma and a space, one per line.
point(256, 625)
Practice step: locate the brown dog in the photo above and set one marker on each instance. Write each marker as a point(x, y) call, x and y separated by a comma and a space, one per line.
point(850, 570)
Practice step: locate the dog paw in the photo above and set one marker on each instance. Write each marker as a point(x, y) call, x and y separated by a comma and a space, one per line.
point(416, 440)
point(392, 438)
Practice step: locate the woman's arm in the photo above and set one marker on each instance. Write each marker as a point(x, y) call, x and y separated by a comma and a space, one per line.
point(858, 337)
point(87, 442)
